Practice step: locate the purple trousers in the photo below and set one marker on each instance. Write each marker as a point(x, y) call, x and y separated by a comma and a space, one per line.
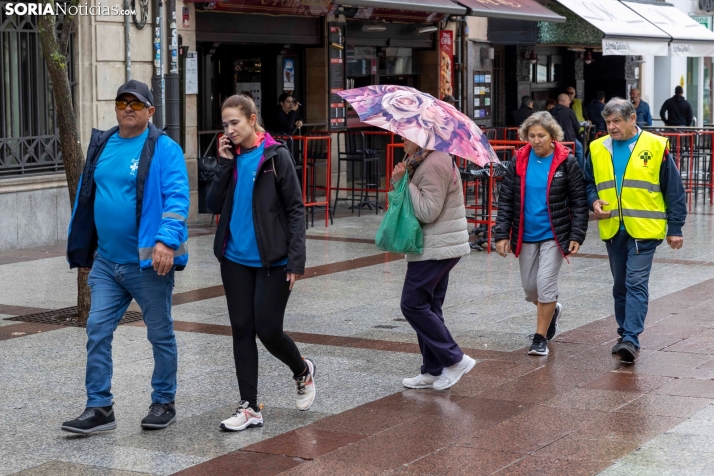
point(422, 298)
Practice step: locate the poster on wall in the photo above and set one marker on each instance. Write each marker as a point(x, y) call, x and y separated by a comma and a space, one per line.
point(254, 89)
point(446, 62)
point(288, 74)
point(191, 69)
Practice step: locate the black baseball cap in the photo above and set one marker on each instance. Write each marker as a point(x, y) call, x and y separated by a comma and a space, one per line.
point(138, 89)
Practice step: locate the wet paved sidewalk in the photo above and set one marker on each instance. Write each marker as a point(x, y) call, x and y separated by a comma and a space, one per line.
point(577, 411)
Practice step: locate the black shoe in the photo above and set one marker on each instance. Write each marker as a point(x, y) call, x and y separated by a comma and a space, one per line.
point(539, 346)
point(616, 346)
point(627, 352)
point(553, 327)
point(92, 420)
point(160, 416)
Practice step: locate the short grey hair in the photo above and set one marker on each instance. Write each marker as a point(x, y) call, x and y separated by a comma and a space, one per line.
point(619, 106)
point(546, 121)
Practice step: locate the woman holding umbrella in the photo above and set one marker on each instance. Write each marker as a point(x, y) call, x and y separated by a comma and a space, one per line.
point(432, 130)
point(542, 217)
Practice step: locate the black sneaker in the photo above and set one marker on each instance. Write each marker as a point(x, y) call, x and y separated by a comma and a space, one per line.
point(616, 347)
point(539, 346)
point(160, 416)
point(627, 352)
point(92, 420)
point(553, 327)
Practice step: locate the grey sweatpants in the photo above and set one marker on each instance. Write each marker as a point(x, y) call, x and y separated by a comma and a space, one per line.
point(540, 265)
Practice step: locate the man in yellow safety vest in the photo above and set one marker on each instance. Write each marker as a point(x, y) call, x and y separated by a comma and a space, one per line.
point(636, 192)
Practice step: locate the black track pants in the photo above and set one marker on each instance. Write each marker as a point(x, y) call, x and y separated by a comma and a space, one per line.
point(256, 306)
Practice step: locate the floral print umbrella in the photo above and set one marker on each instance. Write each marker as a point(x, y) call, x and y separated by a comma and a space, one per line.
point(422, 119)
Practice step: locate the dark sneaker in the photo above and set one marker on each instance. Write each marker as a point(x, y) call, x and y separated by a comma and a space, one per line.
point(92, 420)
point(160, 416)
point(539, 346)
point(553, 327)
point(627, 352)
point(616, 346)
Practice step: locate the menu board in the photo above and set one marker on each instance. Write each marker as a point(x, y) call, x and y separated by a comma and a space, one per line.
point(482, 94)
point(336, 76)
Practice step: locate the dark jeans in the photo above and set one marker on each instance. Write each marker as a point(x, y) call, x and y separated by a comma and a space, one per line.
point(256, 306)
point(422, 297)
point(113, 286)
point(630, 263)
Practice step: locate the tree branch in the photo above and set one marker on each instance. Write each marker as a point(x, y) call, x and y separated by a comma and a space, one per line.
point(67, 27)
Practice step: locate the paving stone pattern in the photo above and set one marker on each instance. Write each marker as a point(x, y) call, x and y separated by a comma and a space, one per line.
point(577, 411)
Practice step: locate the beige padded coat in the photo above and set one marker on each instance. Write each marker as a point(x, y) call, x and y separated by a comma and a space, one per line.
point(439, 206)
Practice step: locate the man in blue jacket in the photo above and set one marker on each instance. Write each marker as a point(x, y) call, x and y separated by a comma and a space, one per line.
point(129, 226)
point(642, 109)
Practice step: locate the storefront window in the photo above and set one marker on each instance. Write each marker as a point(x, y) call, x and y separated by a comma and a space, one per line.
point(395, 61)
point(541, 69)
point(246, 76)
point(693, 85)
point(708, 99)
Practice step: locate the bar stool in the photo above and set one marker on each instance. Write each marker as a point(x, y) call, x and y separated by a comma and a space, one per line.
point(352, 147)
point(317, 156)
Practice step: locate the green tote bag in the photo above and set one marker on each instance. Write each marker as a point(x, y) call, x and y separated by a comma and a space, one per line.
point(400, 231)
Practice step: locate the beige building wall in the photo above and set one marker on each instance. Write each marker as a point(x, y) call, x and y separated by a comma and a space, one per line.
point(100, 65)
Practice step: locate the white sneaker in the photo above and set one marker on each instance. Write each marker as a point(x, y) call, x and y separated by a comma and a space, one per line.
point(420, 381)
point(306, 387)
point(244, 417)
point(453, 374)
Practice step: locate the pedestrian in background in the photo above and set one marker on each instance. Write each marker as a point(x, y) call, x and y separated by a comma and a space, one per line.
point(523, 112)
point(260, 243)
point(569, 124)
point(286, 117)
point(437, 197)
point(636, 192)
point(575, 104)
point(644, 116)
point(594, 111)
point(129, 226)
point(542, 217)
point(676, 111)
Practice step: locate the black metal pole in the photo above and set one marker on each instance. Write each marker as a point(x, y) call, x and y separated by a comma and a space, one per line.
point(157, 79)
point(171, 79)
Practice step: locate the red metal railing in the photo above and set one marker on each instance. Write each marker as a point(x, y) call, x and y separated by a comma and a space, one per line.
point(307, 162)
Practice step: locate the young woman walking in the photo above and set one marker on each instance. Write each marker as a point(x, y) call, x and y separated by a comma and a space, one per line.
point(260, 243)
point(542, 217)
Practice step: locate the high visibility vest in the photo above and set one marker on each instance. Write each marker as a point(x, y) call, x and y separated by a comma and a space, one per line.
point(640, 204)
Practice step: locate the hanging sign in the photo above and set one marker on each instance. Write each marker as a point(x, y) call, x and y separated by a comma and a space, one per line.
point(446, 63)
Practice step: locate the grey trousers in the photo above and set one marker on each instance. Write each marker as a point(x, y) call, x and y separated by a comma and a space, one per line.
point(540, 265)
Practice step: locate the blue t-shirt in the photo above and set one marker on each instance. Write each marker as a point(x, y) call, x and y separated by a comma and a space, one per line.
point(242, 246)
point(620, 157)
point(536, 219)
point(115, 199)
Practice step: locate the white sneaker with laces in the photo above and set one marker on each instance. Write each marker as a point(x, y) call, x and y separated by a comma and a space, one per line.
point(244, 417)
point(421, 381)
point(453, 374)
point(306, 387)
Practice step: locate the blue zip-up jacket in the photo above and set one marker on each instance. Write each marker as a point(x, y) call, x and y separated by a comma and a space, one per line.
point(670, 182)
point(162, 202)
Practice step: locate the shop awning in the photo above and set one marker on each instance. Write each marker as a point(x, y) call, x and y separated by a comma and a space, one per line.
point(431, 6)
point(689, 38)
point(625, 32)
point(528, 10)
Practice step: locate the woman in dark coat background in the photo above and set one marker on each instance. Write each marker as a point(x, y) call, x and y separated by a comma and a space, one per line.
point(542, 217)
